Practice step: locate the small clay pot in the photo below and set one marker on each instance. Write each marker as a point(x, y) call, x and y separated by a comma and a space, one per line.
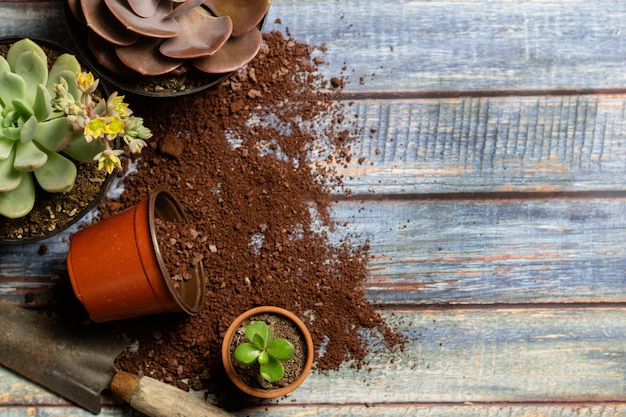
point(236, 329)
point(117, 271)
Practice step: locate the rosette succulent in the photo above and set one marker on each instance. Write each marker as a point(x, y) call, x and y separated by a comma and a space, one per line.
point(49, 118)
point(155, 37)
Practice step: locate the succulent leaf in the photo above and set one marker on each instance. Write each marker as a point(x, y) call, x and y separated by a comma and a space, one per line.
point(246, 14)
point(42, 105)
point(54, 134)
point(23, 109)
point(202, 34)
point(12, 133)
point(273, 370)
point(6, 146)
point(144, 58)
point(280, 349)
point(28, 156)
point(57, 175)
point(157, 25)
point(21, 46)
point(105, 54)
point(82, 151)
point(235, 54)
point(100, 19)
point(65, 62)
point(77, 11)
point(19, 201)
point(247, 353)
point(10, 178)
point(33, 70)
point(263, 358)
point(29, 129)
point(184, 7)
point(12, 86)
point(257, 332)
point(4, 65)
point(144, 8)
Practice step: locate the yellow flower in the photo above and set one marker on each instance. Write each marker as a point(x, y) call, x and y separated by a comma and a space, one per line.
point(95, 128)
point(114, 126)
point(109, 160)
point(116, 105)
point(86, 82)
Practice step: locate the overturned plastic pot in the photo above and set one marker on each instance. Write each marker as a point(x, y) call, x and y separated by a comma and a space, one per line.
point(117, 270)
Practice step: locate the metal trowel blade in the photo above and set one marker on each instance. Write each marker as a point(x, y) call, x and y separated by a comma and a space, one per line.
point(72, 361)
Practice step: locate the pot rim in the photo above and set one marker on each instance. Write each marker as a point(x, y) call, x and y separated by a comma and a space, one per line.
point(227, 359)
point(174, 211)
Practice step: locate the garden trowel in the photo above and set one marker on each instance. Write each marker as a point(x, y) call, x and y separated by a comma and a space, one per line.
point(77, 363)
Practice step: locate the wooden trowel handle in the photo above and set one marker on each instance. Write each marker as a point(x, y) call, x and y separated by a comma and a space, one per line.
point(158, 399)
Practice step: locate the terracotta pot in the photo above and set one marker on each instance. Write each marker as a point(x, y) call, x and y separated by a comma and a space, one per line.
point(117, 271)
point(228, 359)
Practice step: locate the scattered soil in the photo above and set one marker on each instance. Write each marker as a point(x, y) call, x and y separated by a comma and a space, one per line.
point(294, 367)
point(251, 163)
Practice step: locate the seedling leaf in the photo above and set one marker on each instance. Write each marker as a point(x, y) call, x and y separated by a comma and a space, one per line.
point(247, 353)
point(280, 349)
point(257, 332)
point(273, 370)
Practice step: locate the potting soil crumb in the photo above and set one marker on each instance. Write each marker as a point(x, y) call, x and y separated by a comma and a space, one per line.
point(251, 163)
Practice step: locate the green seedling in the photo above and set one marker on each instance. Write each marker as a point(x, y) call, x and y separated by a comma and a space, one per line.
point(264, 348)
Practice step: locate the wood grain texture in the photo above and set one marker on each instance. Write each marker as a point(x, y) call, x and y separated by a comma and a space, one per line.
point(378, 410)
point(491, 144)
point(507, 45)
point(467, 355)
point(488, 178)
point(432, 46)
point(492, 250)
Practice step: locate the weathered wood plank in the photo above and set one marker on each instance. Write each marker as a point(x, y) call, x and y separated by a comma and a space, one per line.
point(571, 355)
point(378, 410)
point(492, 250)
point(464, 45)
point(434, 46)
point(495, 144)
point(440, 251)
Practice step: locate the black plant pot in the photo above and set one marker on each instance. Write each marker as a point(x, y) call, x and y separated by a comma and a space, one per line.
point(162, 86)
point(55, 212)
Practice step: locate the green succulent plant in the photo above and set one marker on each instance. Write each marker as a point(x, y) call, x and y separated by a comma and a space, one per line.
point(48, 114)
point(264, 348)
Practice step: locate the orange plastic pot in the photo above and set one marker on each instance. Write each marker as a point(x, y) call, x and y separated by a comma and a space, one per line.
point(117, 271)
point(227, 357)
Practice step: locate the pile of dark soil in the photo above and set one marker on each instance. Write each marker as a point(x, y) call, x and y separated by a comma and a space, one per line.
point(251, 163)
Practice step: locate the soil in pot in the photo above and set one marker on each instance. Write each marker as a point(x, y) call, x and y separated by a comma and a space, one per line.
point(54, 212)
point(178, 244)
point(249, 161)
point(284, 328)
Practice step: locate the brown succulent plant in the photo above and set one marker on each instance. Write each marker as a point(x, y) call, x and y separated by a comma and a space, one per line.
point(155, 37)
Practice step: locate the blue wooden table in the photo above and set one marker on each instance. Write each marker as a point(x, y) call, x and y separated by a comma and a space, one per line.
point(492, 189)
